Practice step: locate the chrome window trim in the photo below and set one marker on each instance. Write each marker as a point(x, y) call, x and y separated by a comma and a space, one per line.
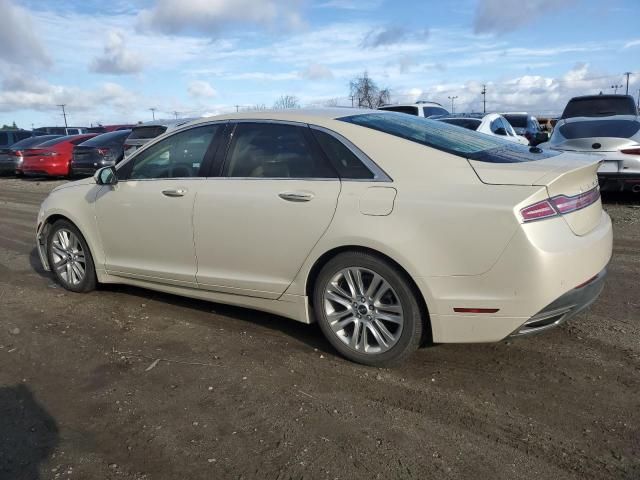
point(379, 175)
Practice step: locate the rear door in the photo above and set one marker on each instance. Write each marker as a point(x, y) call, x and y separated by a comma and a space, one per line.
point(256, 223)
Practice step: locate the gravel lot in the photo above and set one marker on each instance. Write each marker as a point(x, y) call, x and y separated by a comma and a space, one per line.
point(242, 394)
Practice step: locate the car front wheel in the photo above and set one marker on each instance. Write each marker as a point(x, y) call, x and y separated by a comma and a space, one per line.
point(70, 258)
point(367, 309)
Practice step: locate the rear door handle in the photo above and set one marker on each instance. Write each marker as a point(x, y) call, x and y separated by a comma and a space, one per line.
point(296, 196)
point(178, 192)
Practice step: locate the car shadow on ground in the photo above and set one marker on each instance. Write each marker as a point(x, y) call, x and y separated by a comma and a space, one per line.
point(28, 434)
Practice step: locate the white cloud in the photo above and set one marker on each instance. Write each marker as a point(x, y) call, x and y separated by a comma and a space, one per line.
point(316, 71)
point(209, 17)
point(201, 89)
point(19, 43)
point(498, 16)
point(632, 43)
point(116, 59)
point(390, 35)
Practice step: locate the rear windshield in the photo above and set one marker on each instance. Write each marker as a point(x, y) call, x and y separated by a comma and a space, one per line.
point(118, 136)
point(32, 141)
point(600, 128)
point(56, 141)
point(517, 121)
point(469, 123)
point(600, 106)
point(409, 110)
point(151, 131)
point(449, 138)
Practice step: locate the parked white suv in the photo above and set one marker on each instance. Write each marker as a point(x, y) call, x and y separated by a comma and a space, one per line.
point(419, 109)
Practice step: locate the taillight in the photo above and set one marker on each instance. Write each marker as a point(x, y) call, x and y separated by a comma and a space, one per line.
point(103, 151)
point(538, 211)
point(631, 151)
point(17, 153)
point(560, 205)
point(49, 154)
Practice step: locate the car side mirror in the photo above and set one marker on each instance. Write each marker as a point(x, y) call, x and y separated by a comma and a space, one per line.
point(501, 131)
point(106, 176)
point(542, 137)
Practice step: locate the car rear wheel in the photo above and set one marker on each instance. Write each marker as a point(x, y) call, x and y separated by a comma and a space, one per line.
point(70, 258)
point(367, 309)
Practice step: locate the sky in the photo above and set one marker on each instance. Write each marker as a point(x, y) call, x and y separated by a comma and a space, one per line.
point(112, 61)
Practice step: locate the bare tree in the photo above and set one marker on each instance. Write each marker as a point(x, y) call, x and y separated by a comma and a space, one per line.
point(256, 108)
point(286, 101)
point(366, 94)
point(332, 102)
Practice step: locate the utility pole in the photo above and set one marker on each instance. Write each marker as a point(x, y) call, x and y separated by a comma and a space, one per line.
point(64, 114)
point(484, 99)
point(628, 74)
point(452, 100)
point(639, 99)
point(237, 108)
point(615, 88)
point(175, 114)
point(153, 112)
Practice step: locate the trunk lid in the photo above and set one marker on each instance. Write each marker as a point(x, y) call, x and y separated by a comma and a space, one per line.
point(594, 144)
point(83, 156)
point(565, 175)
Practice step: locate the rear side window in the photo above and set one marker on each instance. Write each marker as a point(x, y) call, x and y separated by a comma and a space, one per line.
point(347, 164)
point(22, 135)
point(600, 128)
point(271, 150)
point(448, 138)
point(468, 123)
point(107, 139)
point(429, 111)
point(151, 131)
point(600, 106)
point(409, 110)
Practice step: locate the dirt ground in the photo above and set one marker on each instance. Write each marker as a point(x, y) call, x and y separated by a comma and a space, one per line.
point(242, 394)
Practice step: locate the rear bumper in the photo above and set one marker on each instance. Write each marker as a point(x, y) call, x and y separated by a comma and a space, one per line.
point(619, 181)
point(538, 272)
point(565, 307)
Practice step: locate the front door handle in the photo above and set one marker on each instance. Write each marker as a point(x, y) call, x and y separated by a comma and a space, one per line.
point(178, 192)
point(296, 196)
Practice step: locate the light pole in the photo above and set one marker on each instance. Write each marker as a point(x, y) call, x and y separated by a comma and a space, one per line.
point(153, 112)
point(64, 114)
point(615, 88)
point(484, 99)
point(452, 100)
point(627, 74)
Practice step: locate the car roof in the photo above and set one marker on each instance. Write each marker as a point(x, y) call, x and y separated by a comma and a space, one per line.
point(411, 104)
point(603, 96)
point(169, 122)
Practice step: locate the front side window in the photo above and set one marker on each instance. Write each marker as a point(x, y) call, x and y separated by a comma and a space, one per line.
point(348, 165)
point(177, 156)
point(272, 150)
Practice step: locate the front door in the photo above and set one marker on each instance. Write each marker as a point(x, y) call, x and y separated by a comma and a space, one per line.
point(145, 220)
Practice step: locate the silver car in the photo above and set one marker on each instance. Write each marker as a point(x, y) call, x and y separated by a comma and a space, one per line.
point(143, 133)
point(608, 125)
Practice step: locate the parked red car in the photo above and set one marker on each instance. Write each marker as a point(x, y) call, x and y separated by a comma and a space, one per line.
point(52, 158)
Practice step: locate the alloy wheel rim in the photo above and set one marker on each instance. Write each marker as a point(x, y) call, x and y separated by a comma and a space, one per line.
point(363, 310)
point(68, 257)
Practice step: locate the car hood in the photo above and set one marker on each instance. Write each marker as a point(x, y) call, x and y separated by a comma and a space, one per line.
point(76, 183)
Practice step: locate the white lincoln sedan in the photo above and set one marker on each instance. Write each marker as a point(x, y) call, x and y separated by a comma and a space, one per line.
point(388, 230)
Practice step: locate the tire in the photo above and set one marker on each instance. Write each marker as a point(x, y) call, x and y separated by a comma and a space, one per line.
point(392, 305)
point(69, 256)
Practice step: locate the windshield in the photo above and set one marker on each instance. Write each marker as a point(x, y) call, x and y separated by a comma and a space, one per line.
point(517, 121)
point(600, 106)
point(430, 111)
point(448, 138)
point(600, 128)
